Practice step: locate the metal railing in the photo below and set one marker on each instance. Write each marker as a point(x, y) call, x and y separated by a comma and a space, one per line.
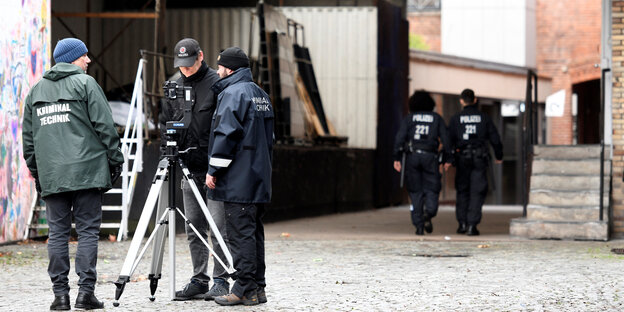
point(529, 135)
point(132, 149)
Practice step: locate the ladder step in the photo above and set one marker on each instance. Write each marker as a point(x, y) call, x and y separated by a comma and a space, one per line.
point(114, 191)
point(111, 208)
point(129, 140)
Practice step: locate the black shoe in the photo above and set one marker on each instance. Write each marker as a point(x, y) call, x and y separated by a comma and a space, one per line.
point(461, 229)
point(60, 303)
point(192, 291)
point(261, 295)
point(88, 302)
point(428, 224)
point(472, 230)
point(420, 231)
point(218, 289)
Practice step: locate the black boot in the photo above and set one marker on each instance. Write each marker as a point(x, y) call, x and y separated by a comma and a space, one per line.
point(462, 228)
point(428, 224)
point(472, 230)
point(60, 303)
point(88, 302)
point(420, 231)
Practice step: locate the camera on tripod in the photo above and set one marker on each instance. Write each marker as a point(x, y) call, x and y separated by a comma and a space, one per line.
point(180, 94)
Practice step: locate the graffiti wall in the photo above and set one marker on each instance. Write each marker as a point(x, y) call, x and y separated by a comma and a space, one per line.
point(24, 56)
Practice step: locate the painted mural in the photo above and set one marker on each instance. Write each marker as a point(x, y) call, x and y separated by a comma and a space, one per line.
point(24, 56)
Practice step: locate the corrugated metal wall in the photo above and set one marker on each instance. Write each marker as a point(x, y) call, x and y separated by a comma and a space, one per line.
point(343, 48)
point(342, 42)
point(215, 29)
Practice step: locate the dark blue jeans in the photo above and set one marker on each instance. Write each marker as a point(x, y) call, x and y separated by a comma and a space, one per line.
point(87, 212)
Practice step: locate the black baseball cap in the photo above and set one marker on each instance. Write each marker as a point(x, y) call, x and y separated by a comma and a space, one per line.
point(186, 52)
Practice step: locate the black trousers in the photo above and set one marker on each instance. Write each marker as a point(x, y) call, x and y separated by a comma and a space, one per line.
point(87, 212)
point(423, 184)
point(472, 185)
point(245, 233)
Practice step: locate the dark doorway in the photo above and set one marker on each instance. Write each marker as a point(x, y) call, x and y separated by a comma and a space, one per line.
point(588, 117)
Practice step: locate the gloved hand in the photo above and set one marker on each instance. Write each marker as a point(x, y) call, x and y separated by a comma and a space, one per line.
point(115, 172)
point(38, 186)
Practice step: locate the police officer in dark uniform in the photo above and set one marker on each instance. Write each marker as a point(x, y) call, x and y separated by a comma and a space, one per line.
point(241, 149)
point(469, 132)
point(419, 138)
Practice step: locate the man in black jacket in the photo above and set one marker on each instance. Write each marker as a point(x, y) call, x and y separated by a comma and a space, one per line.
point(419, 138)
point(189, 58)
point(240, 171)
point(470, 131)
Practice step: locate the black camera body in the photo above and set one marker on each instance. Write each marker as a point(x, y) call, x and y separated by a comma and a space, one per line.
point(174, 92)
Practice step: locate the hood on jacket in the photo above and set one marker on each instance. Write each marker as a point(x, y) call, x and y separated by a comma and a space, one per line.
point(62, 70)
point(240, 75)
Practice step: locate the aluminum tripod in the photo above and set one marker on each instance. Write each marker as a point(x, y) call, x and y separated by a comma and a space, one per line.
point(165, 215)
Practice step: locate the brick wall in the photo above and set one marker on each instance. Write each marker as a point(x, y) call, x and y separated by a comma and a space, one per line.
point(427, 25)
point(568, 46)
point(617, 68)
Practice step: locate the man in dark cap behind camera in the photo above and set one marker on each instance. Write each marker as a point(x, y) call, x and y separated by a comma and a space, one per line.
point(241, 148)
point(189, 59)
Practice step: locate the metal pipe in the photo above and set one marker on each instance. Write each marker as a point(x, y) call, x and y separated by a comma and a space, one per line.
point(602, 107)
point(523, 139)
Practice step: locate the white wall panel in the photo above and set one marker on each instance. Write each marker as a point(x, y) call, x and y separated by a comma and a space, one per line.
point(492, 30)
point(343, 48)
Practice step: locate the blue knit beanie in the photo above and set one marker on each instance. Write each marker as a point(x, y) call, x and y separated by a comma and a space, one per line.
point(68, 50)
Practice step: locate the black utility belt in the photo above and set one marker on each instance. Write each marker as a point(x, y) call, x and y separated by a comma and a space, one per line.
point(421, 151)
point(474, 152)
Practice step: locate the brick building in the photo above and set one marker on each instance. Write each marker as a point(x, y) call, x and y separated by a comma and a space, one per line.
point(568, 48)
point(617, 69)
point(566, 44)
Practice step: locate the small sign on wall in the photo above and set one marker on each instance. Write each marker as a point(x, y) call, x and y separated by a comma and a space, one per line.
point(555, 103)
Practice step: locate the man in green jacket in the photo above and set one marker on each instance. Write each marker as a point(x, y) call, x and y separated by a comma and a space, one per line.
point(72, 150)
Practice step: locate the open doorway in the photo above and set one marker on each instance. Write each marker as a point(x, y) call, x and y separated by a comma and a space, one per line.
point(588, 117)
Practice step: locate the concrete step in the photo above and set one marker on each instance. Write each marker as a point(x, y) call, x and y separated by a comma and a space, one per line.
point(564, 213)
point(577, 230)
point(567, 151)
point(567, 183)
point(569, 167)
point(573, 199)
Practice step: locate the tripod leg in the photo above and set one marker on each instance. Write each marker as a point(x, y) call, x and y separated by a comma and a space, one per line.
point(213, 226)
point(126, 270)
point(172, 234)
point(187, 221)
point(159, 243)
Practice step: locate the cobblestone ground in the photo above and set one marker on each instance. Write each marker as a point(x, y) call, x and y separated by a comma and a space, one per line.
point(362, 276)
point(363, 272)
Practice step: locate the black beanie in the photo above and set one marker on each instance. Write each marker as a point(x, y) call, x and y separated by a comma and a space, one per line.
point(233, 58)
